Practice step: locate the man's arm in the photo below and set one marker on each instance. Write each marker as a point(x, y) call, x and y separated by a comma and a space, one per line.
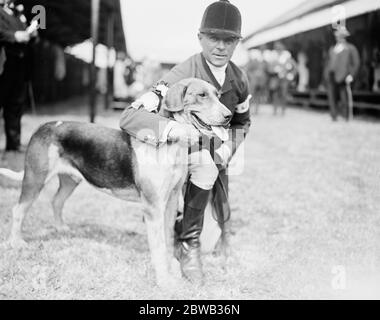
point(240, 125)
point(144, 125)
point(355, 61)
point(7, 36)
point(19, 36)
point(179, 72)
point(241, 120)
point(141, 119)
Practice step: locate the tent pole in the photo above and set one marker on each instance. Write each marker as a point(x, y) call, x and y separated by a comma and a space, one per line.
point(94, 36)
point(110, 44)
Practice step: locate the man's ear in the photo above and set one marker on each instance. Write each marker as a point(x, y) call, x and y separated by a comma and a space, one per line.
point(174, 99)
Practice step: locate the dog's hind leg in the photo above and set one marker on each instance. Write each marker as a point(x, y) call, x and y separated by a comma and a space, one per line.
point(67, 185)
point(18, 213)
point(36, 171)
point(32, 184)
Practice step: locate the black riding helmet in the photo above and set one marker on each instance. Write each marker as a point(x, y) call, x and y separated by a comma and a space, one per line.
point(222, 17)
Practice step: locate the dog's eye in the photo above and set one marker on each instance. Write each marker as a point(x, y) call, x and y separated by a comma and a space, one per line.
point(202, 95)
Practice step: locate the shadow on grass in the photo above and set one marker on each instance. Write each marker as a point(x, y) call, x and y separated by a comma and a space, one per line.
point(94, 232)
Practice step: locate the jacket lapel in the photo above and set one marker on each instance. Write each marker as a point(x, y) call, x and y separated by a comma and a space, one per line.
point(227, 86)
point(209, 77)
point(209, 74)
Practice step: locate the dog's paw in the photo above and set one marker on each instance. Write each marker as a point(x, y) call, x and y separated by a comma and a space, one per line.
point(168, 284)
point(61, 227)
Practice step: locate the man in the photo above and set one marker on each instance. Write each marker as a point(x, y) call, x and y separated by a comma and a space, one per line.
point(13, 79)
point(218, 35)
point(282, 72)
point(257, 70)
point(343, 64)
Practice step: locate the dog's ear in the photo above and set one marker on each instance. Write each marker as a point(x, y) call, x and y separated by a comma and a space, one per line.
point(174, 99)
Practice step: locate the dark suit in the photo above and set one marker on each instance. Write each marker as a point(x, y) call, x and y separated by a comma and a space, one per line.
point(2, 59)
point(13, 85)
point(343, 61)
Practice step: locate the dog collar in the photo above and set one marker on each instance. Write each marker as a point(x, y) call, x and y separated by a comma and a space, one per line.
point(161, 89)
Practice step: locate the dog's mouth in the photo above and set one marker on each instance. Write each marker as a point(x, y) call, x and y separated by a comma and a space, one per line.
point(219, 131)
point(199, 123)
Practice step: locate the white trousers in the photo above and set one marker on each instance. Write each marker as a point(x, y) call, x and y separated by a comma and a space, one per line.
point(202, 169)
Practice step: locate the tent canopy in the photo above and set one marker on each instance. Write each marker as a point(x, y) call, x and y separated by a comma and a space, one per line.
point(309, 15)
point(68, 22)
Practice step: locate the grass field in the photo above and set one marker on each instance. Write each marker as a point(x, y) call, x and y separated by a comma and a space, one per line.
point(306, 222)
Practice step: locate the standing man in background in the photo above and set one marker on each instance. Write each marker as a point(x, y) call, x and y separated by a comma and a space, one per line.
point(342, 66)
point(14, 38)
point(282, 72)
point(218, 36)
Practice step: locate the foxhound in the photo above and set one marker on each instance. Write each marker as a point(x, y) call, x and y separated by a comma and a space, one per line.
point(124, 166)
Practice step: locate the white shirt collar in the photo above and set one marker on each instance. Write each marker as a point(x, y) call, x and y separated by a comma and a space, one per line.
point(218, 72)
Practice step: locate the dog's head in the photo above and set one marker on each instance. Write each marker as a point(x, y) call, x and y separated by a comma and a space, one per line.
point(196, 101)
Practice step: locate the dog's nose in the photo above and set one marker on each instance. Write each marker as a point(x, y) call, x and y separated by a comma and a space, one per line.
point(228, 116)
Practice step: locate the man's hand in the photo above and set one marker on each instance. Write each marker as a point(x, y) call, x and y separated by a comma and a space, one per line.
point(349, 79)
point(183, 132)
point(34, 34)
point(149, 101)
point(223, 155)
point(22, 36)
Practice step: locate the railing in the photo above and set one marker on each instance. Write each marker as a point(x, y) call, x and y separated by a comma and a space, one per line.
point(362, 99)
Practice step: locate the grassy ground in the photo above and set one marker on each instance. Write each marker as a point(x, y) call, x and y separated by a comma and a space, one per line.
point(305, 217)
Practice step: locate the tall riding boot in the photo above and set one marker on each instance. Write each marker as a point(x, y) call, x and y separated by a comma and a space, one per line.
point(192, 224)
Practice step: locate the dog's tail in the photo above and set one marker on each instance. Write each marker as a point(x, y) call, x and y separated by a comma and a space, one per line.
point(17, 176)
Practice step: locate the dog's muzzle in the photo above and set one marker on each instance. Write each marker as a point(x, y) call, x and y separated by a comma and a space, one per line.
point(199, 123)
point(219, 131)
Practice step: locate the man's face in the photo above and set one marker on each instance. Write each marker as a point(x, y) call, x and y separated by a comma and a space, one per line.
point(217, 49)
point(340, 38)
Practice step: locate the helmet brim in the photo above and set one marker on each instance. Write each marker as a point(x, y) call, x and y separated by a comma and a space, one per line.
point(221, 33)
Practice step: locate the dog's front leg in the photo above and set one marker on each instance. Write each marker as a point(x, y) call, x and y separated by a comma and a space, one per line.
point(170, 218)
point(155, 224)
